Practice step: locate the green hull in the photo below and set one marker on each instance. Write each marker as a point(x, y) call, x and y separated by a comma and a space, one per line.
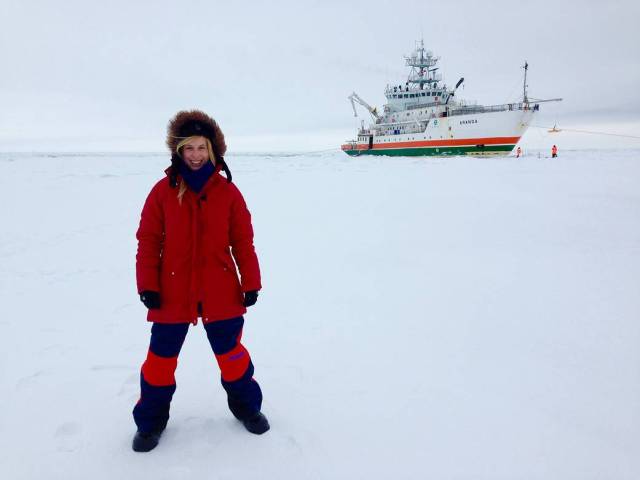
point(429, 151)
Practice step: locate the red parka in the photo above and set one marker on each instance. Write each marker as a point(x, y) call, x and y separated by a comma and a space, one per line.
point(186, 251)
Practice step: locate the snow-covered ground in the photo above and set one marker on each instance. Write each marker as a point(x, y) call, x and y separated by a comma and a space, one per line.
point(442, 318)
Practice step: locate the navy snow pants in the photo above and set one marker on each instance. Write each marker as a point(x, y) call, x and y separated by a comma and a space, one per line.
point(157, 381)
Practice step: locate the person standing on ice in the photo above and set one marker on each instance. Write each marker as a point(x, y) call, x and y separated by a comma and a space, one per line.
point(554, 151)
point(518, 152)
point(195, 229)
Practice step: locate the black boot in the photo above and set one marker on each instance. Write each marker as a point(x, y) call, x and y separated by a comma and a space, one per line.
point(257, 423)
point(146, 441)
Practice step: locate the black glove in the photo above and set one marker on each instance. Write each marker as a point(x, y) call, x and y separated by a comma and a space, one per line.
point(250, 298)
point(150, 299)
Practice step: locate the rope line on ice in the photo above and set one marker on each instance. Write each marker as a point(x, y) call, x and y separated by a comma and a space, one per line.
point(591, 132)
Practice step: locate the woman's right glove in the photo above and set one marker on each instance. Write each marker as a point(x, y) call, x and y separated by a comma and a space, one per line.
point(150, 299)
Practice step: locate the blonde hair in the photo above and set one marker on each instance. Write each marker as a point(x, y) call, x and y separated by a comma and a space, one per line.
point(183, 186)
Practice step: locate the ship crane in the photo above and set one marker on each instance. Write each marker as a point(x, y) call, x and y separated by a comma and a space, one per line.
point(372, 110)
point(453, 92)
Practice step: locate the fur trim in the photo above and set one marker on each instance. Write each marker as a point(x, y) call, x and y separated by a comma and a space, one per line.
point(195, 122)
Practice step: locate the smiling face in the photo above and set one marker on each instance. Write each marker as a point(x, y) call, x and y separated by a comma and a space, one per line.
point(195, 153)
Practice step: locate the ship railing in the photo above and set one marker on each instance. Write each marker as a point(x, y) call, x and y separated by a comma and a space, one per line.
point(412, 126)
point(415, 106)
point(423, 105)
point(416, 80)
point(471, 109)
point(408, 122)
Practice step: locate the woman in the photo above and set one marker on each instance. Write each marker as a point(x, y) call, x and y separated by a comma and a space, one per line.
point(194, 224)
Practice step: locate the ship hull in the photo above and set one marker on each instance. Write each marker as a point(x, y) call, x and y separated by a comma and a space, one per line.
point(493, 133)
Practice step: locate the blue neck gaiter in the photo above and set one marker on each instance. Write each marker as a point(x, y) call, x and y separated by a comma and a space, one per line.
point(196, 179)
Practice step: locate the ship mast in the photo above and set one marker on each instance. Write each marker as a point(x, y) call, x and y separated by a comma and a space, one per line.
point(421, 62)
point(524, 86)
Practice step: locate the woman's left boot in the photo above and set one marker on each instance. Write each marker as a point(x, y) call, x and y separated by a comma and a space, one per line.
point(257, 423)
point(146, 441)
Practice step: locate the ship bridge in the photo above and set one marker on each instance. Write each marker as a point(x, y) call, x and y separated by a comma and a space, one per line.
point(403, 98)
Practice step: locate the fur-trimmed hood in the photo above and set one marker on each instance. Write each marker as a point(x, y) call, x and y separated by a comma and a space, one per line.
point(187, 123)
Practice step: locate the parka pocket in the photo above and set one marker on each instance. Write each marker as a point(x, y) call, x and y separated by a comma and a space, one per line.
point(174, 285)
point(223, 285)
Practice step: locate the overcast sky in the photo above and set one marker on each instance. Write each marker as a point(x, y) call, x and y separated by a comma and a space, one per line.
point(83, 73)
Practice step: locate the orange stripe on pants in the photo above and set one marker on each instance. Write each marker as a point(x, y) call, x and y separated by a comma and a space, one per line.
point(159, 371)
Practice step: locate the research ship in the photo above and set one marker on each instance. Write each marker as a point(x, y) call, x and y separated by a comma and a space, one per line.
point(425, 117)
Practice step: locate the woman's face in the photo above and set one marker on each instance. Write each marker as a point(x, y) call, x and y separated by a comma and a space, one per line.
point(195, 153)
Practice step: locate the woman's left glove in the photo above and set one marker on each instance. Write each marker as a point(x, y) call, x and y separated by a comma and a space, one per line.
point(250, 298)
